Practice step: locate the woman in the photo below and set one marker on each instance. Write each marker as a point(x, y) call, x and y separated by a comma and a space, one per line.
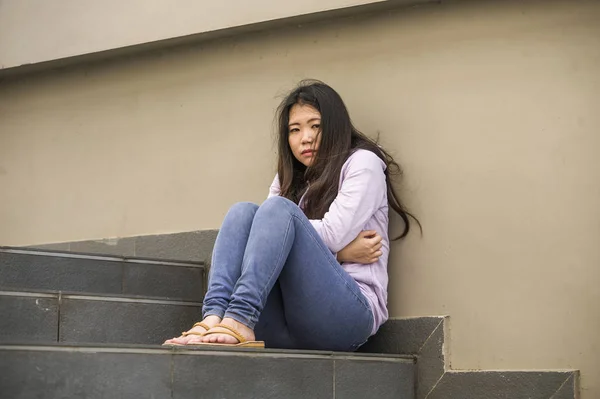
point(276, 275)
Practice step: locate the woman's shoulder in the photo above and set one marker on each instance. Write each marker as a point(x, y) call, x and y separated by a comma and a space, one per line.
point(364, 159)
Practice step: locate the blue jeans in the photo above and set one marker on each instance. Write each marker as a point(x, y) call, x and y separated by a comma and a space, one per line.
point(272, 272)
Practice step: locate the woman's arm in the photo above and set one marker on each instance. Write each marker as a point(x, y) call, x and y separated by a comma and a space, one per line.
point(365, 249)
point(361, 194)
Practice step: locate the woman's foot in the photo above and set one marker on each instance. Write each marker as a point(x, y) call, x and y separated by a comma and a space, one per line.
point(217, 338)
point(210, 322)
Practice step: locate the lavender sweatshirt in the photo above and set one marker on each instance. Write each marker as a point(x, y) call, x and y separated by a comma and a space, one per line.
point(361, 204)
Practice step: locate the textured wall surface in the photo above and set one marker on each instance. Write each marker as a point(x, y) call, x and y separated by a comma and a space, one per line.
point(492, 108)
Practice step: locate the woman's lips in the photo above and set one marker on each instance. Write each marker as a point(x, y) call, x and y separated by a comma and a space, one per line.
point(308, 153)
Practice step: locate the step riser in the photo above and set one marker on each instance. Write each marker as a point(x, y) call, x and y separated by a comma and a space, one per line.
point(70, 319)
point(21, 271)
point(55, 374)
point(30, 319)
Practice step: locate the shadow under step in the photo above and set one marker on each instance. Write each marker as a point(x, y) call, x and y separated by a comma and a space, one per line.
point(24, 269)
point(30, 317)
point(58, 371)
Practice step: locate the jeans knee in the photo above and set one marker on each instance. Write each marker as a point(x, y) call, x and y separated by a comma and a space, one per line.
point(243, 210)
point(278, 204)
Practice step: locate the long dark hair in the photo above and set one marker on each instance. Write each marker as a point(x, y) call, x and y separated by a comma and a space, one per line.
point(339, 140)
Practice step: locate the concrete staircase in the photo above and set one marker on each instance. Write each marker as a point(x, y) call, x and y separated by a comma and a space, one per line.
point(86, 320)
point(90, 326)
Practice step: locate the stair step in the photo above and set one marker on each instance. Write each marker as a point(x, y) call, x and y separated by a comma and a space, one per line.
point(93, 371)
point(48, 270)
point(29, 317)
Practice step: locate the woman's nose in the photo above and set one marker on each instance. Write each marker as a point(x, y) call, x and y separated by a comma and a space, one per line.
point(307, 136)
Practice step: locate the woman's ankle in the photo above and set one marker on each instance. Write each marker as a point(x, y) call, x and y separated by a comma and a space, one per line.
point(243, 329)
point(212, 320)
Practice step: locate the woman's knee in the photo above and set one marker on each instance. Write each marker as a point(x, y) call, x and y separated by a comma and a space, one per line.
point(243, 210)
point(278, 204)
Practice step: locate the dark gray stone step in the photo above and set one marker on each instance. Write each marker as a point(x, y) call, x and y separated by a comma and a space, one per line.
point(29, 317)
point(46, 270)
point(94, 372)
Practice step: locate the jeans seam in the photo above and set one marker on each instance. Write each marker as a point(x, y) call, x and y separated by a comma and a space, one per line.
point(214, 309)
point(213, 313)
point(241, 319)
point(279, 258)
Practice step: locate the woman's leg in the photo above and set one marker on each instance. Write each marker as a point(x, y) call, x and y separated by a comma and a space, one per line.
point(322, 305)
point(227, 258)
point(226, 266)
point(272, 326)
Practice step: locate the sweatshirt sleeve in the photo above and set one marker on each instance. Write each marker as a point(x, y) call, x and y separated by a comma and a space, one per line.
point(275, 188)
point(361, 194)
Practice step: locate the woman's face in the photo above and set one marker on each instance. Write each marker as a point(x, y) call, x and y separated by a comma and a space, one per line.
point(304, 132)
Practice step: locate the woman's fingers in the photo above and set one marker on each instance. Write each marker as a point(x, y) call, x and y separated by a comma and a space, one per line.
point(376, 239)
point(374, 243)
point(377, 246)
point(367, 233)
point(375, 257)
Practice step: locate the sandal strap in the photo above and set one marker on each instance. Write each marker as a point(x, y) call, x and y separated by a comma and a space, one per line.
point(186, 333)
point(232, 332)
point(203, 325)
point(199, 324)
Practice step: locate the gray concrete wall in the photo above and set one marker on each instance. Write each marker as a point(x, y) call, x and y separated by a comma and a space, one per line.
point(40, 31)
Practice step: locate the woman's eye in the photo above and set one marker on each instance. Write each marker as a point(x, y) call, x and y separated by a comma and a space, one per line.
point(294, 130)
point(316, 126)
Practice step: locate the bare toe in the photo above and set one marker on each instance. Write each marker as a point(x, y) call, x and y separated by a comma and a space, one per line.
point(191, 335)
point(229, 332)
point(217, 338)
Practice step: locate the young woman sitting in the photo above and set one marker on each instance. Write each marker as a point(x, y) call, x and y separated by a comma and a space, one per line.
point(307, 269)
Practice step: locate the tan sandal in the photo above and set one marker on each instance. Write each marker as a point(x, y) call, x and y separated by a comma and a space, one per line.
point(186, 333)
point(232, 332)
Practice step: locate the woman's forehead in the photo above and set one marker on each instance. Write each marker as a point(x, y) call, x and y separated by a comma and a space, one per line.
point(302, 113)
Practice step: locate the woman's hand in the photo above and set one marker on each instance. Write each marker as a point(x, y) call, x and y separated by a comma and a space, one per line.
point(365, 249)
